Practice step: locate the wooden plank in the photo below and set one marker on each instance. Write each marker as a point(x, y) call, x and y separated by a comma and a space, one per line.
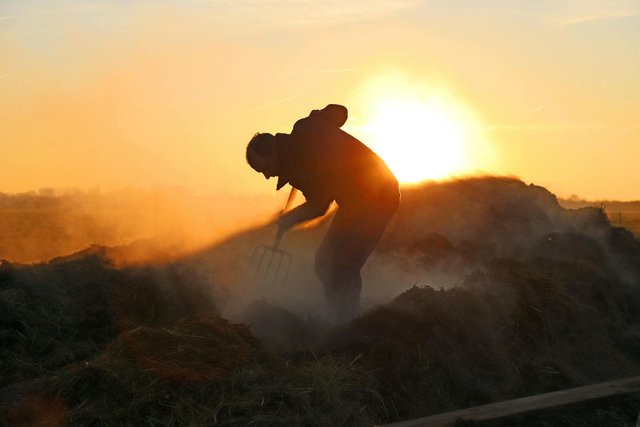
point(534, 407)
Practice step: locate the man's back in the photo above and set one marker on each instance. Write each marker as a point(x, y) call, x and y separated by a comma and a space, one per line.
point(322, 160)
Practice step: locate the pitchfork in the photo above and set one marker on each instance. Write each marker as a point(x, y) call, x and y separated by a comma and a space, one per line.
point(272, 263)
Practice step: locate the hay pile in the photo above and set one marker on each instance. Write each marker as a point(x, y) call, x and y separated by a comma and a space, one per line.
point(86, 343)
point(510, 331)
point(53, 314)
point(204, 371)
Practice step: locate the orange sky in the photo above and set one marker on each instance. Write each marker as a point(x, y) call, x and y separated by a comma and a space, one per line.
point(167, 93)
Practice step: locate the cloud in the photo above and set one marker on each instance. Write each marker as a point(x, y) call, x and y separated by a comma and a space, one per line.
point(630, 129)
point(240, 17)
point(546, 127)
point(302, 14)
point(597, 16)
point(338, 11)
point(318, 71)
point(277, 102)
point(597, 10)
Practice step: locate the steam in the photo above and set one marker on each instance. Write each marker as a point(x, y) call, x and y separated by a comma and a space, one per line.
point(444, 235)
point(136, 225)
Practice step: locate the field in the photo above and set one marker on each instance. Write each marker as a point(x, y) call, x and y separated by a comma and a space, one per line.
point(482, 290)
point(620, 214)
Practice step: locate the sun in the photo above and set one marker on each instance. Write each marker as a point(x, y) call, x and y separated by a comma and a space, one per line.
point(417, 140)
point(420, 133)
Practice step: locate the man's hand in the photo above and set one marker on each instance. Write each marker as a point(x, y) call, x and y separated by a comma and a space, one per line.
point(304, 212)
point(284, 223)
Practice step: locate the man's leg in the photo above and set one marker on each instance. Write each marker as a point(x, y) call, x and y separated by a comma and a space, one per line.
point(324, 254)
point(352, 244)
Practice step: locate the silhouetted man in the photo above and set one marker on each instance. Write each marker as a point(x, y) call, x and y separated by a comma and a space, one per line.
point(327, 164)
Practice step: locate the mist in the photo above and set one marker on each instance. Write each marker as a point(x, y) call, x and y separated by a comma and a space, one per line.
point(137, 225)
point(445, 235)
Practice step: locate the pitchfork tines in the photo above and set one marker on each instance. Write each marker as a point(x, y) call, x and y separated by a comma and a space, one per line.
point(272, 263)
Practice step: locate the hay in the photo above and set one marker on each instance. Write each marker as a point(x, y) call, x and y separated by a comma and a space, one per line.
point(85, 343)
point(197, 349)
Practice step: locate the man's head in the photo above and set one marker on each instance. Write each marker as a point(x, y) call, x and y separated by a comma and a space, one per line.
point(262, 154)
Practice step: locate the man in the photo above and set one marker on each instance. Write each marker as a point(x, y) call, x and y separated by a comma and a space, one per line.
point(327, 164)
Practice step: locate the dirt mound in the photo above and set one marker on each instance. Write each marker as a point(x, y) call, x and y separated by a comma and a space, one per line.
point(137, 370)
point(202, 371)
point(69, 309)
point(543, 297)
point(502, 211)
point(52, 315)
point(196, 349)
point(511, 330)
point(279, 329)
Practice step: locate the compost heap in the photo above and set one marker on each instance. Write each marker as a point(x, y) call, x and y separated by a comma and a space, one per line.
point(534, 298)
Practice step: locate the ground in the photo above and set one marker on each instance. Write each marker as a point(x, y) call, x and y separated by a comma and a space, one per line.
point(482, 290)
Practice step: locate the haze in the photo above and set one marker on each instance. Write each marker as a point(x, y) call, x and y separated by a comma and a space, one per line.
point(115, 94)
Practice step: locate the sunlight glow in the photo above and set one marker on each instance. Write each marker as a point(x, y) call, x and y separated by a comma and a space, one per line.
point(420, 133)
point(417, 140)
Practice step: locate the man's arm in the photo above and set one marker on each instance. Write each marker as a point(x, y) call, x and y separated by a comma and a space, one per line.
point(304, 212)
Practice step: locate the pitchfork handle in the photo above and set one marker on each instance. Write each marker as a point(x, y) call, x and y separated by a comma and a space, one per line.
point(276, 241)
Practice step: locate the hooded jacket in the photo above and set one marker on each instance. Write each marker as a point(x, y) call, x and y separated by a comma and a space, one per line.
point(325, 163)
